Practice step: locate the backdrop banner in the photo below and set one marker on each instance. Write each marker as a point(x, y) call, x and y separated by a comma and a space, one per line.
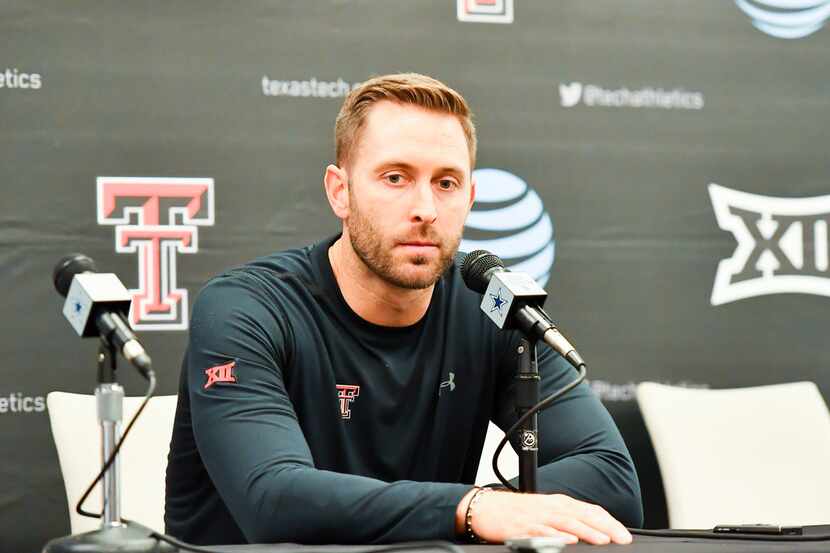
point(663, 163)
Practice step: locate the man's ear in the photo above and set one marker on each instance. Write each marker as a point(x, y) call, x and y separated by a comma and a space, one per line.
point(336, 183)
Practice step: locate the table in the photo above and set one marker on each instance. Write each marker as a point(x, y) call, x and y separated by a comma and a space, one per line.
point(696, 542)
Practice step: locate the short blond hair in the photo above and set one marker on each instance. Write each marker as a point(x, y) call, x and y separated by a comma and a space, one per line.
point(402, 88)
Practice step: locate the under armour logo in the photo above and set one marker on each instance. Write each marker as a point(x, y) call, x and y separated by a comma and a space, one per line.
point(782, 245)
point(220, 373)
point(447, 384)
point(347, 393)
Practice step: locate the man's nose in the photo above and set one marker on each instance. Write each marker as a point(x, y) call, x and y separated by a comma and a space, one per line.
point(423, 204)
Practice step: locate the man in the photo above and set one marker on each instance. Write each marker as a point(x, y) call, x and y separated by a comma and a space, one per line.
point(311, 406)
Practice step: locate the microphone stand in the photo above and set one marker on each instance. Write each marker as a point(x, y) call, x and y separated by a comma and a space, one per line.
point(527, 395)
point(114, 535)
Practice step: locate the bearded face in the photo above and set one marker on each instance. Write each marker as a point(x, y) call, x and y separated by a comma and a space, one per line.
point(412, 260)
point(409, 192)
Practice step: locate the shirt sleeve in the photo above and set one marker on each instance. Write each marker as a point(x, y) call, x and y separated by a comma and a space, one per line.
point(581, 451)
point(254, 450)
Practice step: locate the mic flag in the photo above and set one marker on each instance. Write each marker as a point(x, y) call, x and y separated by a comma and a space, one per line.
point(102, 291)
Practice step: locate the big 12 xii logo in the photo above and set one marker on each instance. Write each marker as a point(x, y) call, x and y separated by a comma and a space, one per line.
point(156, 218)
point(782, 245)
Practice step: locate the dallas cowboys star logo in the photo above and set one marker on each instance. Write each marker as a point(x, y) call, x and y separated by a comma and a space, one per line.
point(498, 301)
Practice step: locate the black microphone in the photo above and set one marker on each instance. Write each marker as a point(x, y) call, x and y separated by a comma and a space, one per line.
point(514, 300)
point(97, 305)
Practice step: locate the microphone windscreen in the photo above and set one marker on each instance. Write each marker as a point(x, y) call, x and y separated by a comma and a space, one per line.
point(476, 269)
point(69, 266)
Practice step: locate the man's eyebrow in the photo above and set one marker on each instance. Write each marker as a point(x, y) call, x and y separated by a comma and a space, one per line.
point(392, 164)
point(451, 170)
point(455, 171)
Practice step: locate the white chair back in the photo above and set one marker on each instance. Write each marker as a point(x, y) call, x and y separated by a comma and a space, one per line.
point(741, 456)
point(508, 461)
point(143, 457)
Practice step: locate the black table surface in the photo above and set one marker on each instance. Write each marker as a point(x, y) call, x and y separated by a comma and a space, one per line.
point(697, 542)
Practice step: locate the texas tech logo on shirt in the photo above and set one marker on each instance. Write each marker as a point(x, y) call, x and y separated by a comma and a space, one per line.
point(156, 218)
point(347, 393)
point(782, 245)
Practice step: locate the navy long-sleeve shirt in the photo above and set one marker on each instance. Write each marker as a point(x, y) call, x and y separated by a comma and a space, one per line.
point(299, 421)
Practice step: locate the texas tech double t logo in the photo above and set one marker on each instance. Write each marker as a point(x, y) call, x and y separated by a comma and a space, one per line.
point(156, 218)
point(782, 245)
point(346, 394)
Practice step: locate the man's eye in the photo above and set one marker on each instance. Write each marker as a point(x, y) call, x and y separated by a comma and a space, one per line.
point(394, 178)
point(446, 184)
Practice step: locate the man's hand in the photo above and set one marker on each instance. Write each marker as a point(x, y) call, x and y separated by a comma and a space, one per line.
point(498, 516)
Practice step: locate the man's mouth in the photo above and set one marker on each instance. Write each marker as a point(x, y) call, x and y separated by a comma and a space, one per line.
point(418, 244)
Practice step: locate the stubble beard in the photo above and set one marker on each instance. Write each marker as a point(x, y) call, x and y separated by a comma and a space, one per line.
point(367, 243)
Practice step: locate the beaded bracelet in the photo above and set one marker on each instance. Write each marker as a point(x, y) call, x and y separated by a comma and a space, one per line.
point(468, 519)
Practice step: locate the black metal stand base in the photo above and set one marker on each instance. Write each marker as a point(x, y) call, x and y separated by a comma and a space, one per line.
point(117, 539)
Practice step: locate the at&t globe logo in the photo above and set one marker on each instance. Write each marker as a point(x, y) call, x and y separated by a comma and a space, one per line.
point(509, 220)
point(786, 18)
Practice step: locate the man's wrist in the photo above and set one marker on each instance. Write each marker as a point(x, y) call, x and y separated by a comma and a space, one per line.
point(461, 511)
